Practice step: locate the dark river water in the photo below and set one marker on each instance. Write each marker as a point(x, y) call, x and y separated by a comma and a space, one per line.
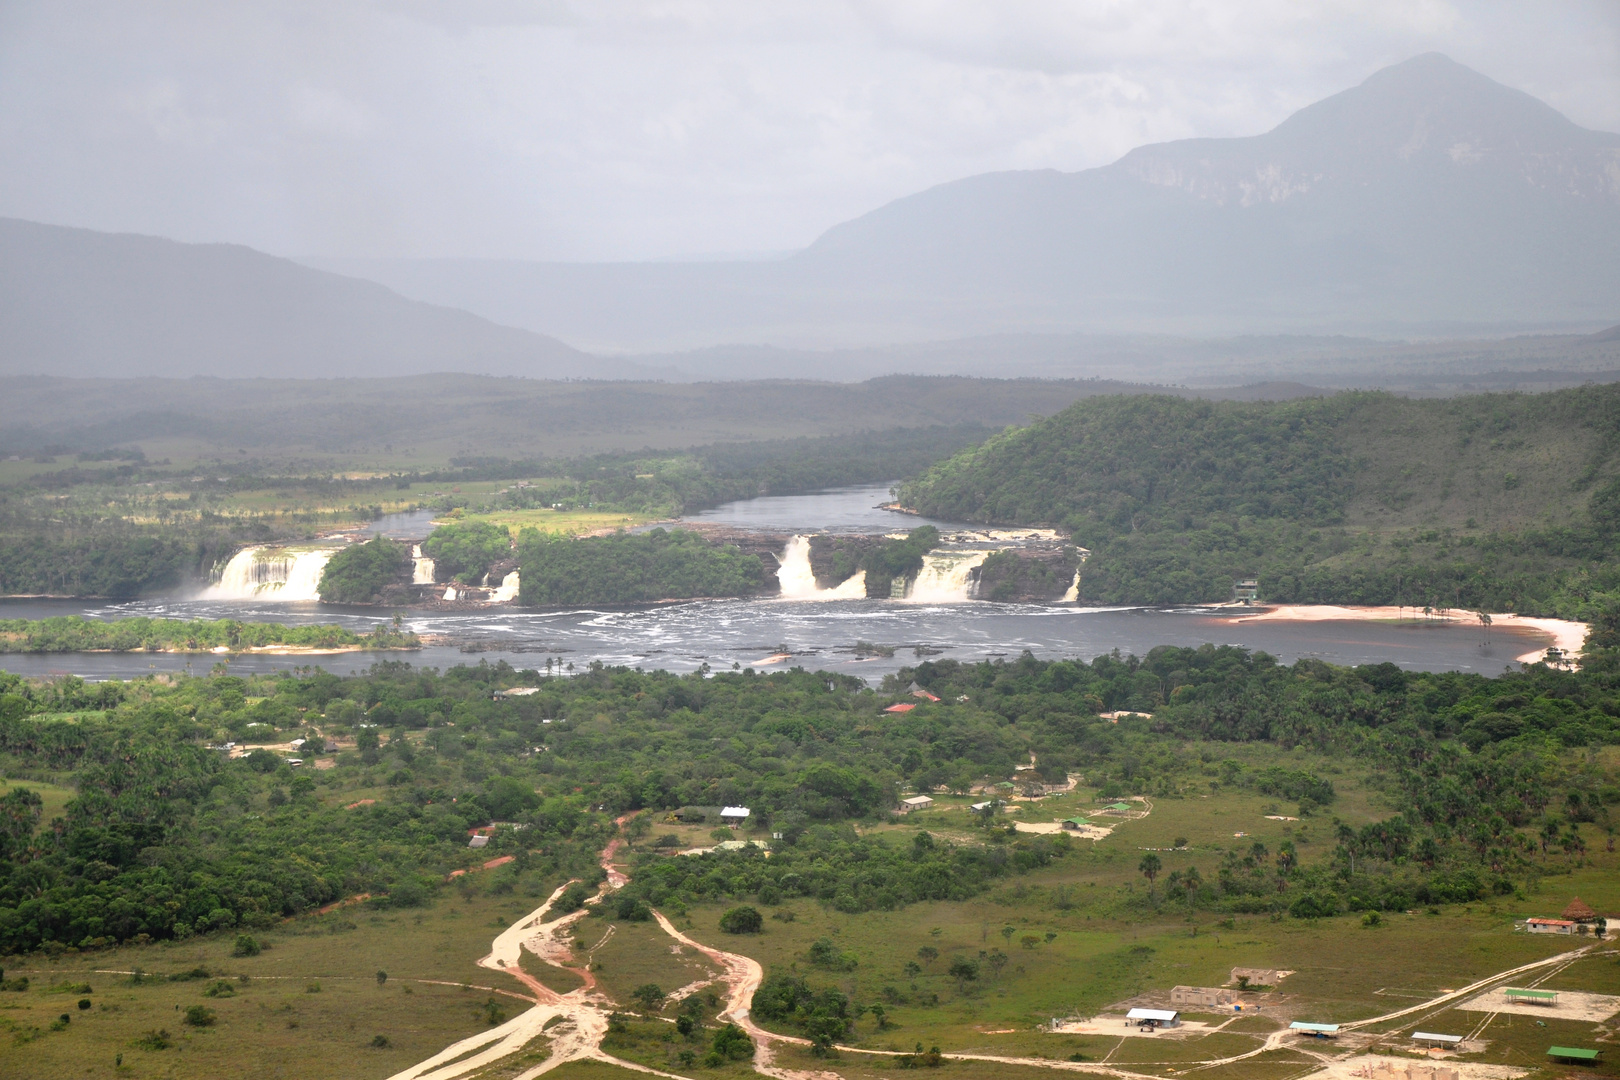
point(748, 633)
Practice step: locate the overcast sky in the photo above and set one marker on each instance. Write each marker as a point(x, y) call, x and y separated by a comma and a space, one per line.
point(615, 129)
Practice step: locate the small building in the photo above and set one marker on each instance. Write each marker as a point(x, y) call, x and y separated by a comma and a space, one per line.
point(981, 807)
point(1315, 1031)
point(478, 841)
point(733, 815)
point(901, 706)
point(916, 802)
point(516, 691)
point(918, 692)
point(1571, 1053)
point(1435, 1039)
point(1153, 1017)
point(1075, 823)
point(1548, 998)
point(1201, 995)
point(1116, 808)
point(1585, 919)
point(1124, 714)
point(1549, 926)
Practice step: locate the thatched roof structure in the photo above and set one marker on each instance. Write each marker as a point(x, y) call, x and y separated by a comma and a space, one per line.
point(1578, 911)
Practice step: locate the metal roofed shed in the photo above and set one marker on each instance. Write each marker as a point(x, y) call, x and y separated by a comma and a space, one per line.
point(1319, 1031)
point(1532, 997)
point(1436, 1038)
point(1167, 1017)
point(733, 815)
point(1572, 1053)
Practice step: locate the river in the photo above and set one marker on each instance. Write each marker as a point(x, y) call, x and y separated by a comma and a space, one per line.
point(755, 633)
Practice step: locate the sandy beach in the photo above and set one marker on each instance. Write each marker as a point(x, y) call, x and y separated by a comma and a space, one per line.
point(1567, 636)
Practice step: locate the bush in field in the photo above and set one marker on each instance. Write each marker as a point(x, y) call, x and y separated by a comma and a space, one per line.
point(742, 920)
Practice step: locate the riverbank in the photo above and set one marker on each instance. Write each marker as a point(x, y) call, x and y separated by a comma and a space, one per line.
point(1566, 636)
point(140, 634)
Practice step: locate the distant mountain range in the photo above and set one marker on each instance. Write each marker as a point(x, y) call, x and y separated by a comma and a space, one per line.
point(1428, 200)
point(82, 303)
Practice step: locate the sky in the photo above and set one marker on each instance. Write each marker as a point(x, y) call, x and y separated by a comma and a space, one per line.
point(625, 130)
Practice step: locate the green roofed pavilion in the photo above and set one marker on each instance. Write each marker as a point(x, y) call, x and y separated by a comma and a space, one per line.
point(1572, 1053)
point(1539, 997)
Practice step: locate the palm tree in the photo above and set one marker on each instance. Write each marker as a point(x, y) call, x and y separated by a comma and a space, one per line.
point(1150, 867)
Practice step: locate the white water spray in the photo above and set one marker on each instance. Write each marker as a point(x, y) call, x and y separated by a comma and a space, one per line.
point(946, 577)
point(507, 591)
point(421, 567)
point(272, 573)
point(799, 580)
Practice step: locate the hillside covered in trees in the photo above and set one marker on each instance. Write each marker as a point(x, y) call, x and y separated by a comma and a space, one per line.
point(1501, 501)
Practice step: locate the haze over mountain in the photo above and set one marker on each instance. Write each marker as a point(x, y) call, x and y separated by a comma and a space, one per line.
point(83, 303)
point(1429, 199)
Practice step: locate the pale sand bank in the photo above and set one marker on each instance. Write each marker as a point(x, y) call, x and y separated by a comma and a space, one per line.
point(1561, 633)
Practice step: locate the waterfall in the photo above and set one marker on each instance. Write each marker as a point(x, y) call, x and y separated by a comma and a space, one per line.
point(507, 591)
point(450, 593)
point(422, 567)
point(271, 573)
point(1072, 596)
point(946, 577)
point(799, 581)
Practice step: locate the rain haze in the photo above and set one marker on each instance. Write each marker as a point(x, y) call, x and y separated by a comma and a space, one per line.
point(809, 539)
point(625, 131)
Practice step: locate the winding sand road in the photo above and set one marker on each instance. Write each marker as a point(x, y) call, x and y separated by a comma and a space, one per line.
point(576, 1022)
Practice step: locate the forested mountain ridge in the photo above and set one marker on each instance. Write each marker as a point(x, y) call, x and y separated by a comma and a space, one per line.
point(1335, 499)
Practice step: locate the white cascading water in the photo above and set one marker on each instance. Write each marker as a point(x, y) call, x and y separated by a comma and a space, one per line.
point(799, 580)
point(421, 567)
point(270, 573)
point(1072, 596)
point(507, 590)
point(946, 577)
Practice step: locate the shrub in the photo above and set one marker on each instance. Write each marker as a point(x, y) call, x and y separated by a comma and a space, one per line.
point(200, 1016)
point(156, 1039)
point(245, 946)
point(731, 1043)
point(742, 920)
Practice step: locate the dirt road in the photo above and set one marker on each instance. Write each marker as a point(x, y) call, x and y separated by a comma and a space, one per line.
point(575, 1023)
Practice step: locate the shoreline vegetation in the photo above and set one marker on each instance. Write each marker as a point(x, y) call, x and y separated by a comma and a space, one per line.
point(1492, 502)
point(74, 633)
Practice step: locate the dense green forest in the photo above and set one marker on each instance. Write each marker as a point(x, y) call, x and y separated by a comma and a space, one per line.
point(1497, 502)
point(632, 568)
point(360, 572)
point(141, 527)
point(1489, 781)
point(72, 633)
point(465, 551)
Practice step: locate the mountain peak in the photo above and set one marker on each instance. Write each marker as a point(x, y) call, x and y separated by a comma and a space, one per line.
point(1420, 117)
